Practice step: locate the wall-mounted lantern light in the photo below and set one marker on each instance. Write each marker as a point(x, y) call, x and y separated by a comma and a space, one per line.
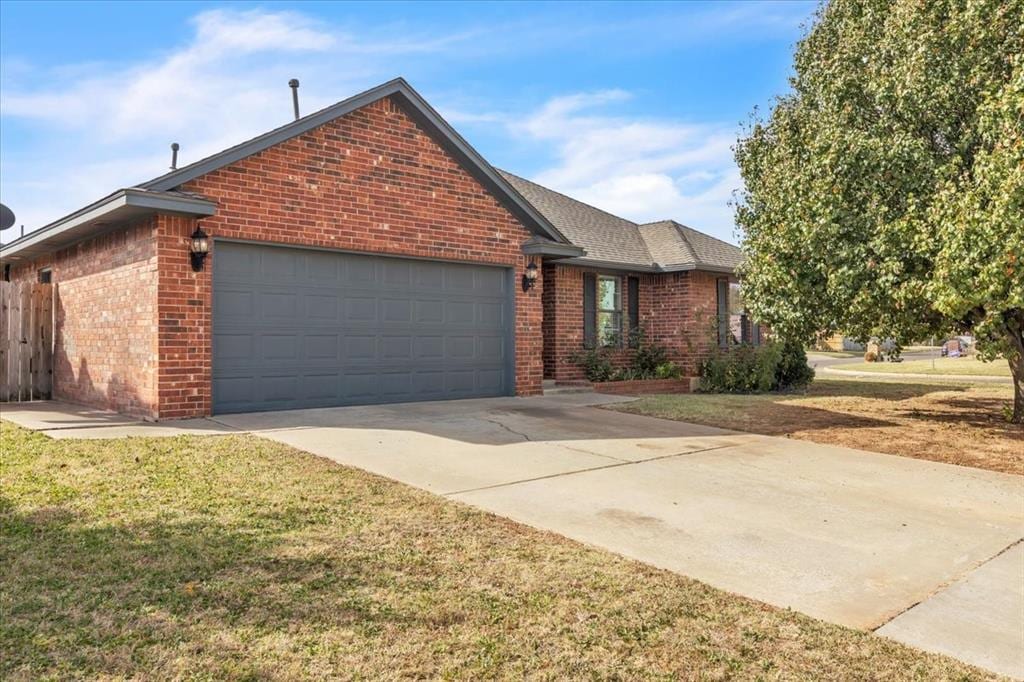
point(198, 247)
point(530, 276)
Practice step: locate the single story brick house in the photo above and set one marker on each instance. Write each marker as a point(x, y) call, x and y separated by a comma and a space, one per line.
point(362, 254)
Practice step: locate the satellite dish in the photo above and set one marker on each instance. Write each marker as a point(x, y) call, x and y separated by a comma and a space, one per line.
point(6, 217)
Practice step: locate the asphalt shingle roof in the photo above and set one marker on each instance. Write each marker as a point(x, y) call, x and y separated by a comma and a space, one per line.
point(604, 236)
point(663, 245)
point(673, 244)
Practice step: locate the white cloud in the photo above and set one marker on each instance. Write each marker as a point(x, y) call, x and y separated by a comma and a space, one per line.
point(109, 125)
point(641, 169)
point(96, 127)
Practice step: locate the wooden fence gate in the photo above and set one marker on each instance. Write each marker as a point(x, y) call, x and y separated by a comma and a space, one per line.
point(26, 340)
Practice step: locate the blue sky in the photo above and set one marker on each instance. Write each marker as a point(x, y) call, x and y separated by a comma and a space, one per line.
point(631, 107)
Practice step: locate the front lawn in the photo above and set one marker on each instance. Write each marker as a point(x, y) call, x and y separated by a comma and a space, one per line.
point(237, 558)
point(944, 366)
point(945, 422)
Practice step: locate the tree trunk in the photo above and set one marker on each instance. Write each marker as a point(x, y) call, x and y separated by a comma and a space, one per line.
point(1016, 359)
point(1017, 370)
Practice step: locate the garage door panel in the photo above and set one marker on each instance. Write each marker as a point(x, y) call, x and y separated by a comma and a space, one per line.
point(274, 306)
point(489, 282)
point(236, 265)
point(490, 314)
point(428, 276)
point(326, 347)
point(395, 274)
point(460, 312)
point(280, 265)
point(396, 310)
point(236, 304)
point(303, 328)
point(361, 272)
point(489, 379)
point(321, 308)
point(358, 387)
point(491, 348)
point(322, 268)
point(394, 348)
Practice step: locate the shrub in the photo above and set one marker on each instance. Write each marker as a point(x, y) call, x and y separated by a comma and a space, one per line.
point(650, 361)
point(775, 366)
point(648, 357)
point(793, 370)
point(595, 362)
point(668, 370)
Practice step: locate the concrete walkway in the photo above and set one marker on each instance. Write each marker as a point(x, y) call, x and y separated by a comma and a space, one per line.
point(858, 538)
point(968, 619)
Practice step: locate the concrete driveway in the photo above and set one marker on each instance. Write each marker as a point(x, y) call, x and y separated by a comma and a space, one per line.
point(929, 551)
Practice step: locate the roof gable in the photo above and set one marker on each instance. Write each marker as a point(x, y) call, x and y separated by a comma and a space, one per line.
point(420, 111)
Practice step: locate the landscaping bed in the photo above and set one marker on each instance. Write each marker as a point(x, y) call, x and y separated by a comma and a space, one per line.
point(645, 386)
point(233, 557)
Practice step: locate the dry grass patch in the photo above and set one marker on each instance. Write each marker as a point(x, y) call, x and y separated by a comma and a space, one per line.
point(238, 558)
point(944, 422)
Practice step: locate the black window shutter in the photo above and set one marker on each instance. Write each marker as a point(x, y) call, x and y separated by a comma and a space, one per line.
point(633, 292)
point(723, 312)
point(589, 309)
point(745, 328)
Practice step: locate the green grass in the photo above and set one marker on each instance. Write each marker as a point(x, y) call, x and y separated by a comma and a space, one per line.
point(938, 366)
point(237, 558)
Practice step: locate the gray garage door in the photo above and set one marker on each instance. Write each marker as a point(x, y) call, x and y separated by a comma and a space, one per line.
point(305, 328)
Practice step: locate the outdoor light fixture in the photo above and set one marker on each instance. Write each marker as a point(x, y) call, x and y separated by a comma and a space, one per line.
point(198, 247)
point(530, 276)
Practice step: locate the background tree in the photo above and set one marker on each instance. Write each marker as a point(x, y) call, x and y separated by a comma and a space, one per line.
point(885, 193)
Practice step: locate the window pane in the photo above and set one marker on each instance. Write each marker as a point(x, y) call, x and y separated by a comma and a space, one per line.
point(609, 327)
point(608, 293)
point(736, 305)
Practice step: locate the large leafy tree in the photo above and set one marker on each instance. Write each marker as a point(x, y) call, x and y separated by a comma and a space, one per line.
point(885, 193)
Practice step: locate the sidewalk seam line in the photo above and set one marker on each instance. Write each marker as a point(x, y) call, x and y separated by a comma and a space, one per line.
point(949, 583)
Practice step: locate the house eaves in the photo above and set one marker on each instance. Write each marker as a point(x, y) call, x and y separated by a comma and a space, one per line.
point(109, 212)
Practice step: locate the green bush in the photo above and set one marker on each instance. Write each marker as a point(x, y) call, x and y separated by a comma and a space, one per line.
point(668, 370)
point(775, 366)
point(649, 361)
point(648, 356)
point(596, 363)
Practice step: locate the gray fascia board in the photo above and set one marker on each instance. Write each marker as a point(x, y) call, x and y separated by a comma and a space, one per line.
point(552, 249)
point(184, 205)
point(612, 265)
point(648, 269)
point(699, 266)
point(420, 110)
point(123, 198)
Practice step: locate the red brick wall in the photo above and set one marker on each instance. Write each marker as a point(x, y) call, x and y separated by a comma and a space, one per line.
point(105, 331)
point(371, 181)
point(677, 311)
point(681, 314)
point(184, 313)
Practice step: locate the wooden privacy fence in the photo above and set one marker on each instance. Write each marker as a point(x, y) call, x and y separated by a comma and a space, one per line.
point(26, 340)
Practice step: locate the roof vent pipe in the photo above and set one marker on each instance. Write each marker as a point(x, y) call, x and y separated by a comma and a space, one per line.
point(294, 85)
point(174, 155)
